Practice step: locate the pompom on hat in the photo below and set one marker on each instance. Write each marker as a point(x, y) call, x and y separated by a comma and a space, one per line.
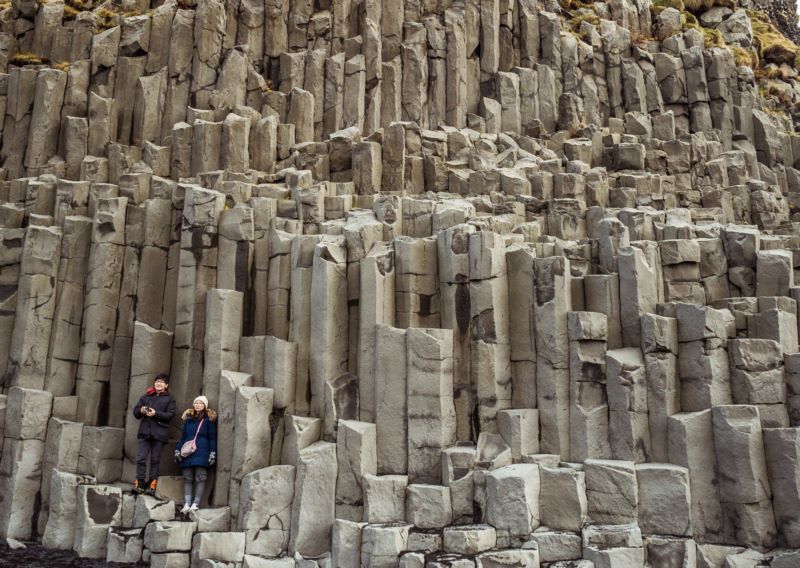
point(202, 399)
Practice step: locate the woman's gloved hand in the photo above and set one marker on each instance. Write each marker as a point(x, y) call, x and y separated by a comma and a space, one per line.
point(212, 457)
point(177, 456)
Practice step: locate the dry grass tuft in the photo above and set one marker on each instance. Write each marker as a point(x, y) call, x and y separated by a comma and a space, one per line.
point(775, 91)
point(577, 5)
point(772, 45)
point(105, 19)
point(703, 5)
point(26, 58)
point(744, 57)
point(577, 28)
point(659, 5)
point(74, 7)
point(713, 38)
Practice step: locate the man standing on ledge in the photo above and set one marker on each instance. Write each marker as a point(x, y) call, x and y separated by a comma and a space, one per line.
point(155, 410)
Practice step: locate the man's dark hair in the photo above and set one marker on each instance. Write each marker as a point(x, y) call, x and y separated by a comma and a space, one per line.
point(163, 377)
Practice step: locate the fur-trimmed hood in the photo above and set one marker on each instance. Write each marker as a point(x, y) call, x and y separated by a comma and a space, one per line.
point(190, 413)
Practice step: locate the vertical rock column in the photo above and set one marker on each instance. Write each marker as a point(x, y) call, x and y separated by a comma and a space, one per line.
point(264, 209)
point(553, 301)
point(361, 232)
point(757, 378)
point(356, 456)
point(792, 376)
point(744, 488)
point(61, 453)
point(197, 273)
point(437, 71)
point(601, 294)
point(279, 277)
point(417, 283)
point(454, 288)
point(782, 450)
point(265, 510)
point(169, 304)
point(62, 357)
point(252, 435)
point(456, 90)
point(209, 32)
point(489, 38)
point(629, 430)
point(21, 90)
point(512, 502)
point(741, 248)
point(393, 156)
point(45, 118)
point(702, 356)
point(153, 261)
point(11, 244)
point(391, 402)
point(235, 148)
point(414, 99)
point(588, 410)
point(431, 413)
point(235, 260)
point(27, 414)
point(36, 305)
point(229, 383)
point(638, 285)
point(280, 363)
point(221, 343)
point(329, 320)
point(59, 532)
point(660, 347)
point(126, 311)
point(521, 287)
point(691, 445)
point(376, 308)
point(314, 504)
point(354, 87)
point(206, 146)
point(100, 308)
point(333, 106)
point(302, 261)
point(490, 354)
point(180, 158)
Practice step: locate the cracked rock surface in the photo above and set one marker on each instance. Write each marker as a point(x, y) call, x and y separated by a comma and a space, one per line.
point(470, 283)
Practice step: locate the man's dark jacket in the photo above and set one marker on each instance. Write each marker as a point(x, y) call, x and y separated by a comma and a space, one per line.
point(156, 427)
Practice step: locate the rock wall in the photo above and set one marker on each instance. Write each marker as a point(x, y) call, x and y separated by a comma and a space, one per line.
point(474, 283)
point(782, 12)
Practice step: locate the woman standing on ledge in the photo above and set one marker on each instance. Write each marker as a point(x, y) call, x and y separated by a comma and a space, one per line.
point(196, 451)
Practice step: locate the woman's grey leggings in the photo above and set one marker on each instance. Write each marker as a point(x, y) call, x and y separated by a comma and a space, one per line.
point(190, 476)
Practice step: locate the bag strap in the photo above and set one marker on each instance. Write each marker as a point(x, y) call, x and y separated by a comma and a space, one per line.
point(198, 430)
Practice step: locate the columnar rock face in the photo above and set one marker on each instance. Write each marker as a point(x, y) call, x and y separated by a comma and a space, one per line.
point(473, 284)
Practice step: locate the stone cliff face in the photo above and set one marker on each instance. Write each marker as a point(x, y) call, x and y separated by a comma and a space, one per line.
point(782, 12)
point(475, 283)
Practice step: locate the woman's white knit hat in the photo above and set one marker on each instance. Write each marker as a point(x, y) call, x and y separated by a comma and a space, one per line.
point(202, 399)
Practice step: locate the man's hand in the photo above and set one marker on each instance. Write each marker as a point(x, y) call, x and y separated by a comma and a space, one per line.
point(150, 411)
point(212, 457)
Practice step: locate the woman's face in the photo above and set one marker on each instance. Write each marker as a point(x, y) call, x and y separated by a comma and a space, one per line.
point(199, 406)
